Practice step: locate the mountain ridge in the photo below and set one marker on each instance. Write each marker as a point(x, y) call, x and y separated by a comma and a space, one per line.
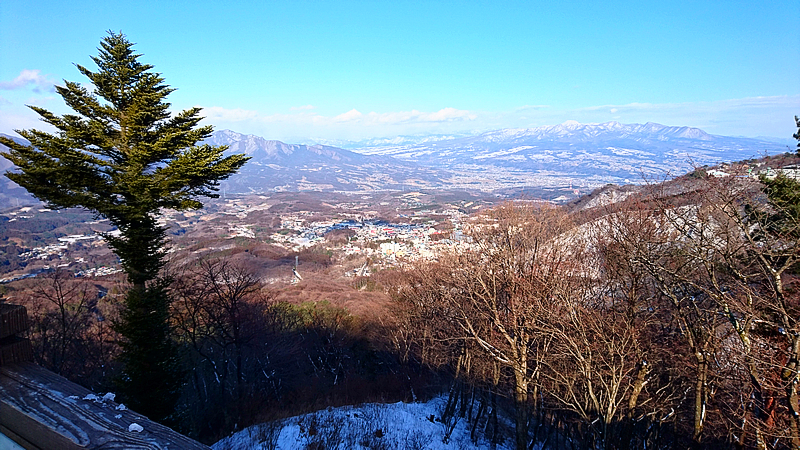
point(586, 154)
point(277, 166)
point(570, 154)
point(573, 128)
point(251, 145)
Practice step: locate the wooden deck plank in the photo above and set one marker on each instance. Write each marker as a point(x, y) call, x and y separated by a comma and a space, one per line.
point(49, 411)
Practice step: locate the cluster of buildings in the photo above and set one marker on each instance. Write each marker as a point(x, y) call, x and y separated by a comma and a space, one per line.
point(98, 271)
point(388, 242)
point(418, 232)
point(46, 258)
point(745, 170)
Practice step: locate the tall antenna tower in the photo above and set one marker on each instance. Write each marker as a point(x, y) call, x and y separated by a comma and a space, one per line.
point(297, 278)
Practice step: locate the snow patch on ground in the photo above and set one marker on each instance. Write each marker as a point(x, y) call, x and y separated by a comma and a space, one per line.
point(374, 425)
point(501, 153)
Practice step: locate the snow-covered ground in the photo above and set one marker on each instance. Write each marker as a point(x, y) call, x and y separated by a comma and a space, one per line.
point(371, 426)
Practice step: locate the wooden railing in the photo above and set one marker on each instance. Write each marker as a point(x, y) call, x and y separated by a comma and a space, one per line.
point(41, 410)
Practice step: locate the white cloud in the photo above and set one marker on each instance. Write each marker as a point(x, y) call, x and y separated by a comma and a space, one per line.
point(216, 113)
point(29, 78)
point(447, 115)
point(755, 116)
point(405, 117)
point(352, 124)
point(349, 116)
point(530, 107)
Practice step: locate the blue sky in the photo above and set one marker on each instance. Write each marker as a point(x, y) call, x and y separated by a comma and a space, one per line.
point(305, 70)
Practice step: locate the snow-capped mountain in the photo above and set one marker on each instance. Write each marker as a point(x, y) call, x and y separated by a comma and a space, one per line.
point(570, 154)
point(292, 155)
point(613, 152)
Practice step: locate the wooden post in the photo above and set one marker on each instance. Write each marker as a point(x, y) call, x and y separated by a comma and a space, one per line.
point(13, 324)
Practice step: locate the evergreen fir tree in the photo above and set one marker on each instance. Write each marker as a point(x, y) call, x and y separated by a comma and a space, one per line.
point(797, 135)
point(123, 156)
point(783, 193)
point(782, 220)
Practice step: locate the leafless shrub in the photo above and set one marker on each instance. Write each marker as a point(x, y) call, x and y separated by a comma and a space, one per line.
point(267, 434)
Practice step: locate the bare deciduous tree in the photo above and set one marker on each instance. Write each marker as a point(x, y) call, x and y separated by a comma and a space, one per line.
point(494, 293)
point(217, 312)
point(62, 317)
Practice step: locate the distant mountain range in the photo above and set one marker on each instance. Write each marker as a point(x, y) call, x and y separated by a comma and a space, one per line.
point(570, 154)
point(11, 194)
point(276, 166)
point(595, 153)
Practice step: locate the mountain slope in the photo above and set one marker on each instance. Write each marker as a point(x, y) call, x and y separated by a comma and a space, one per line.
point(599, 153)
point(11, 194)
point(368, 426)
point(276, 166)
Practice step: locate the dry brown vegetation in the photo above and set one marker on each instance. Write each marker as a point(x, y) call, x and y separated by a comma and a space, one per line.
point(667, 319)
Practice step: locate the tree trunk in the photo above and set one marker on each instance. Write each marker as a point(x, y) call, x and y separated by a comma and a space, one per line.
point(700, 398)
point(521, 409)
point(493, 416)
point(633, 402)
point(790, 374)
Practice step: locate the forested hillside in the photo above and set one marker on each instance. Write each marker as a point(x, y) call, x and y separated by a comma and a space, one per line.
point(660, 316)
